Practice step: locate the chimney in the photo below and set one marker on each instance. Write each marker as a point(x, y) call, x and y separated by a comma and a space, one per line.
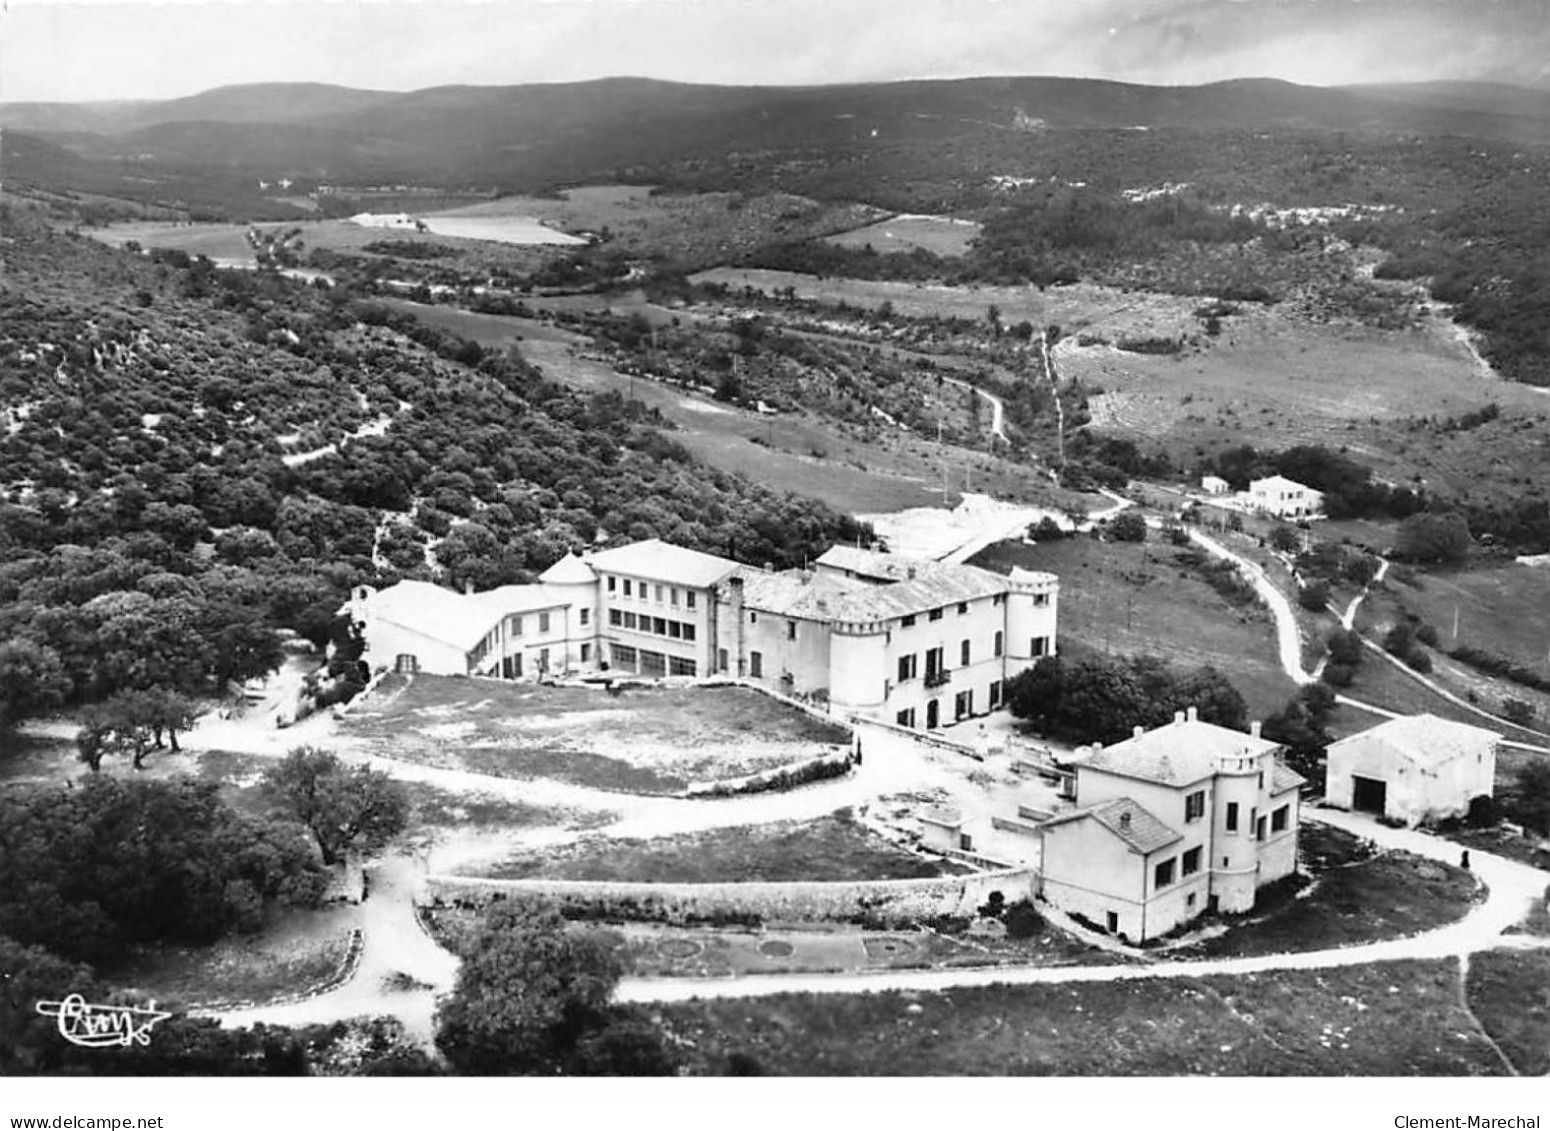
point(468, 588)
point(1137, 731)
point(769, 567)
point(1178, 717)
point(1124, 819)
point(1254, 729)
point(912, 573)
point(1193, 714)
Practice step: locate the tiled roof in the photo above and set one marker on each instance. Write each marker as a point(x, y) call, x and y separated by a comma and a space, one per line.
point(1425, 740)
point(1178, 753)
point(1279, 483)
point(662, 561)
point(1285, 778)
point(1129, 820)
point(520, 599)
point(797, 593)
point(569, 570)
point(904, 585)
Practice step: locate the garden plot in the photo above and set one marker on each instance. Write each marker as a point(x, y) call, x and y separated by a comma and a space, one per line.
point(643, 740)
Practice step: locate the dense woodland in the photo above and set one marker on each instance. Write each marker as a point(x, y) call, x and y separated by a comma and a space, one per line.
point(195, 459)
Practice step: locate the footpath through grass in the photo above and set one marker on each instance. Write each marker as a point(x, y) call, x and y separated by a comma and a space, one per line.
point(1509, 991)
point(1388, 1019)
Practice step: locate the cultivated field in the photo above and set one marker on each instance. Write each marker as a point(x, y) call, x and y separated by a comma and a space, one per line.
point(1128, 599)
point(646, 740)
point(940, 235)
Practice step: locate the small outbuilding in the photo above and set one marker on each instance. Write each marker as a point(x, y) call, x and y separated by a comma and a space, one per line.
point(1413, 769)
point(1214, 485)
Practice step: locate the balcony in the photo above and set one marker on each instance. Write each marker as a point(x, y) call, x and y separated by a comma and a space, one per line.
point(938, 678)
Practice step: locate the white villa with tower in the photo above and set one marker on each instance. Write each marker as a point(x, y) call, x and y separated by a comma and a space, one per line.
point(902, 640)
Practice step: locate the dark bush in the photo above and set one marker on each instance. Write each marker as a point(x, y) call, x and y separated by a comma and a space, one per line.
point(1022, 920)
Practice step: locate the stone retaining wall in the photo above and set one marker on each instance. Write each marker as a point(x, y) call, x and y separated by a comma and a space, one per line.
point(884, 902)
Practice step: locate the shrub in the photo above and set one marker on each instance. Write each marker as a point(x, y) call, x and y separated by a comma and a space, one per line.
point(1482, 812)
point(1128, 526)
point(1419, 660)
point(1427, 634)
point(1339, 675)
point(1022, 920)
point(1518, 711)
point(1046, 530)
point(1314, 596)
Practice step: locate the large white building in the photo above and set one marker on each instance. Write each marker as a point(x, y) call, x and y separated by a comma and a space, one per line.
point(1173, 822)
point(902, 640)
point(1413, 769)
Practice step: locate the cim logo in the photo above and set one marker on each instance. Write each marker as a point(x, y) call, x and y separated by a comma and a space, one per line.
point(101, 1026)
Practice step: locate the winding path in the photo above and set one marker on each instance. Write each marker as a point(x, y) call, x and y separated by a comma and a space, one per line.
point(1512, 889)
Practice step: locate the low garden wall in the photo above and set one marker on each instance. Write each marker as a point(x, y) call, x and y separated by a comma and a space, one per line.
point(789, 776)
point(871, 902)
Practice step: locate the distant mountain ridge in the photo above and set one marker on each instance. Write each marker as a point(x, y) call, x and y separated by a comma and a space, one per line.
point(546, 133)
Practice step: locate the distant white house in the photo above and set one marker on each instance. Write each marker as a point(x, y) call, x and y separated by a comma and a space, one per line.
point(1285, 498)
point(1412, 769)
point(1214, 485)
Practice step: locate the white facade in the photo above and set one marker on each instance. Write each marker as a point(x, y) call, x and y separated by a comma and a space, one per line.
point(1214, 485)
point(1186, 818)
point(1414, 769)
point(902, 640)
point(1285, 498)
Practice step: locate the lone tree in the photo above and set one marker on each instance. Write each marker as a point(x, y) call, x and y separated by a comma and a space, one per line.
point(345, 807)
point(532, 997)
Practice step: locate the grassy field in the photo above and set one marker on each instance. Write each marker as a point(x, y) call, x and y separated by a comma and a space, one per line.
point(860, 471)
point(1390, 1019)
point(1127, 598)
point(693, 228)
point(829, 848)
point(648, 740)
point(1356, 897)
point(1509, 991)
point(1387, 606)
point(1502, 608)
point(940, 235)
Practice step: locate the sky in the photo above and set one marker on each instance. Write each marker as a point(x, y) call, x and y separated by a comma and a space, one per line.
point(135, 49)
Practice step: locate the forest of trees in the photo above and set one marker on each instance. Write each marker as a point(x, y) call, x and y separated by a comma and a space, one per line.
point(199, 459)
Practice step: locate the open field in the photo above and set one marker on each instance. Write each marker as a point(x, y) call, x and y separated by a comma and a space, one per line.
point(1509, 991)
point(227, 243)
point(645, 740)
point(694, 228)
point(860, 471)
point(1502, 608)
point(1385, 607)
point(1356, 897)
point(1127, 598)
point(940, 235)
point(1389, 1019)
point(829, 848)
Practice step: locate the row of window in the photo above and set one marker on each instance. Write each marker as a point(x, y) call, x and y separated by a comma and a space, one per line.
point(1187, 865)
point(516, 623)
point(657, 626)
point(652, 591)
point(963, 707)
point(1278, 820)
point(936, 660)
point(650, 663)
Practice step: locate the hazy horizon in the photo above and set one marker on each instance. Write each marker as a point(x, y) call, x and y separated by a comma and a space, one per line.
point(131, 50)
